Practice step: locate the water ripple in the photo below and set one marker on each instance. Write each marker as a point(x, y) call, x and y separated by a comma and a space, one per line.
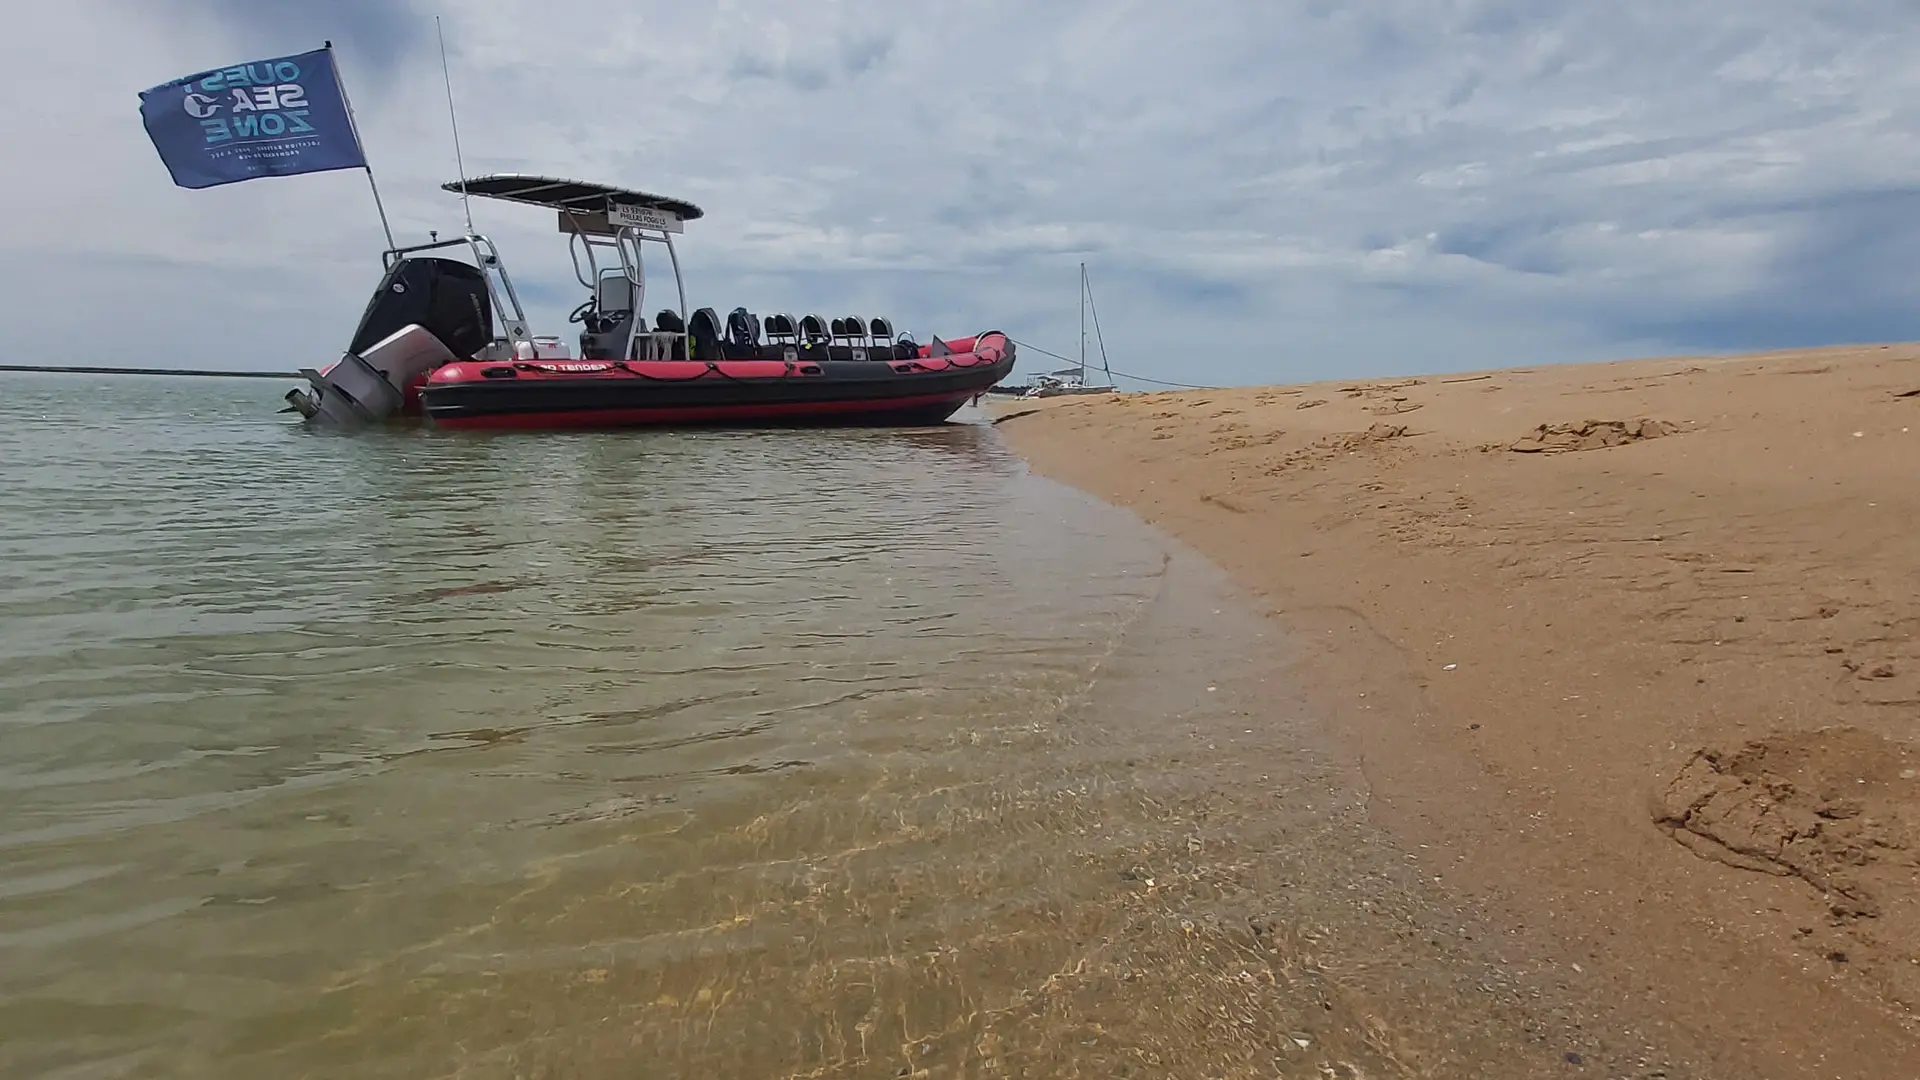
point(250, 677)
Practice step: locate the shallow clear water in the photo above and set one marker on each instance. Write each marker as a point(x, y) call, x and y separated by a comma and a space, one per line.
point(667, 754)
point(284, 713)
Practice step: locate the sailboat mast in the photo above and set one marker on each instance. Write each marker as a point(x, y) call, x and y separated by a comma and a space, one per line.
point(1083, 322)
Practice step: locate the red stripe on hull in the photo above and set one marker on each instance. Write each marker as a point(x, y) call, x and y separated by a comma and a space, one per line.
point(612, 418)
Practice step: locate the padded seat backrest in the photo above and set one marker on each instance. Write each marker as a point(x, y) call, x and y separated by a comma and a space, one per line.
point(881, 328)
point(668, 320)
point(814, 328)
point(615, 293)
point(742, 327)
point(704, 329)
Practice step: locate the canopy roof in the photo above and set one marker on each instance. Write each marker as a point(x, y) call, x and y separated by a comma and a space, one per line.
point(562, 194)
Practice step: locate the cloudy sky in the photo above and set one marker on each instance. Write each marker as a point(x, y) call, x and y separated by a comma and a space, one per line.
point(1261, 191)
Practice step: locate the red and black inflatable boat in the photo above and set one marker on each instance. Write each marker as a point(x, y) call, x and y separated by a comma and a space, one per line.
point(752, 386)
point(448, 339)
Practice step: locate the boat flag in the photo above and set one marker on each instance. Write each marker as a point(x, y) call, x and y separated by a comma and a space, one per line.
point(280, 117)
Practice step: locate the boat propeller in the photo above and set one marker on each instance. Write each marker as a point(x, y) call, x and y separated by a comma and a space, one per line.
point(301, 402)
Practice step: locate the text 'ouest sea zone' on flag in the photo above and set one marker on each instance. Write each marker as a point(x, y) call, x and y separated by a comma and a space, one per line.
point(279, 117)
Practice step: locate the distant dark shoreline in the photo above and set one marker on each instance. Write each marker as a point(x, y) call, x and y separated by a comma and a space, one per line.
point(150, 371)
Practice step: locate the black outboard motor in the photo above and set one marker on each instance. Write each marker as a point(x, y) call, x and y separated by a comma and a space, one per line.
point(445, 296)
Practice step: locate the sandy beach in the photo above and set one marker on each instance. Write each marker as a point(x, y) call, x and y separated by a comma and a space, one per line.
point(1629, 654)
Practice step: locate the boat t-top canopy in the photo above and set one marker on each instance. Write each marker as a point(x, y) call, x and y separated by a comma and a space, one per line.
point(560, 194)
point(604, 219)
point(584, 206)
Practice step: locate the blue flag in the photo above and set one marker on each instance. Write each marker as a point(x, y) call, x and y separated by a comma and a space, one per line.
point(280, 117)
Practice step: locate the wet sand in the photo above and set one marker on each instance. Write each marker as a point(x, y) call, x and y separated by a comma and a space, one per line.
point(1627, 655)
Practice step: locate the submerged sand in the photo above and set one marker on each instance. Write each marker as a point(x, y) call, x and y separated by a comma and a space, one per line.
point(1629, 652)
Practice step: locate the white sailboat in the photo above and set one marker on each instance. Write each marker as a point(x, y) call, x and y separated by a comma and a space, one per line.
point(1073, 380)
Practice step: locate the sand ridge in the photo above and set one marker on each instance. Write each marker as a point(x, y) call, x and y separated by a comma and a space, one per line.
point(1631, 646)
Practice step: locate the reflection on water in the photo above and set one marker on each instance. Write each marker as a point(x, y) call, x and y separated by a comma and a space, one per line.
point(717, 754)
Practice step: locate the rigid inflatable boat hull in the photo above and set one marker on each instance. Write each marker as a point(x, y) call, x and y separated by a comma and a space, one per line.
point(602, 394)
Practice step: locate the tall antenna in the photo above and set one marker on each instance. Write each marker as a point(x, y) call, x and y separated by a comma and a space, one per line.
point(466, 203)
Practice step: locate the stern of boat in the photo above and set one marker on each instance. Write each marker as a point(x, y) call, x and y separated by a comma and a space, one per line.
point(426, 312)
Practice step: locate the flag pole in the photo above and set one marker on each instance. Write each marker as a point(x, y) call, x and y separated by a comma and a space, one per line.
point(364, 163)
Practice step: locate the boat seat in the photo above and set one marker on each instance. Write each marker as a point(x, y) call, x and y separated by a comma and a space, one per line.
point(743, 336)
point(604, 329)
point(703, 335)
point(843, 344)
point(743, 327)
point(668, 321)
point(614, 295)
point(853, 334)
point(813, 330)
point(780, 329)
point(889, 345)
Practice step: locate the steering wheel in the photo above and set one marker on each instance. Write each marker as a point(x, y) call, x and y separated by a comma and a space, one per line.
point(580, 313)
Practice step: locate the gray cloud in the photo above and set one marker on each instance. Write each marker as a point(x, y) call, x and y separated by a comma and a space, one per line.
point(863, 52)
point(799, 74)
point(1843, 272)
point(853, 55)
point(1261, 192)
point(385, 33)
